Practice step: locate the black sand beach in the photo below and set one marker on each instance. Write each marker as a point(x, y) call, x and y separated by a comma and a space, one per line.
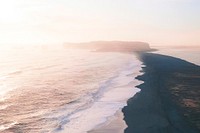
point(169, 101)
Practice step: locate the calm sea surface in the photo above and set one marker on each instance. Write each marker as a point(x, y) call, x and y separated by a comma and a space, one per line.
point(189, 54)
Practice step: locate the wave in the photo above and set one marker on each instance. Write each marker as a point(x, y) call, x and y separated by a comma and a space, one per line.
point(45, 67)
point(15, 72)
point(77, 88)
point(7, 126)
point(96, 107)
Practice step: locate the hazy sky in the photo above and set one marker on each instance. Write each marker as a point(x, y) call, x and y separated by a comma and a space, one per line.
point(159, 22)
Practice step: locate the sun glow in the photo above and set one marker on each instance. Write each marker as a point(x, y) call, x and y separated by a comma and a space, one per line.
point(50, 21)
point(11, 21)
point(9, 11)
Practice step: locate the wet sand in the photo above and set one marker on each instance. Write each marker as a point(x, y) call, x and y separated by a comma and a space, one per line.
point(169, 101)
point(114, 125)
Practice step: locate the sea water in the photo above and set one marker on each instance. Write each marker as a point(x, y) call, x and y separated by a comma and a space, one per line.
point(189, 54)
point(52, 89)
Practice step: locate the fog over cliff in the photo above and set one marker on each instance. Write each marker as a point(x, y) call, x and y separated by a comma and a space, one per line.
point(111, 46)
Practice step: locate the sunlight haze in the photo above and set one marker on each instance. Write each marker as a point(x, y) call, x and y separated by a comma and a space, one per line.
point(99, 66)
point(159, 22)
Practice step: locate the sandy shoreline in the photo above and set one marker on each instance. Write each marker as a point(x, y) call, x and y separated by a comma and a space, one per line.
point(168, 102)
point(116, 124)
point(158, 107)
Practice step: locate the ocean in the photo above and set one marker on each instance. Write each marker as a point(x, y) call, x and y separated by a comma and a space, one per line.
point(191, 55)
point(46, 89)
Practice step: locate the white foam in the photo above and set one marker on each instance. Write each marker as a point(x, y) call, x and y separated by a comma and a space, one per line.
point(112, 98)
point(7, 126)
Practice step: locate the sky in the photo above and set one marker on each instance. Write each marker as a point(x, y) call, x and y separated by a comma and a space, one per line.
point(158, 22)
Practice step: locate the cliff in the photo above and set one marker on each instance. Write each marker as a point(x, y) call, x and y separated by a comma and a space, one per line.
point(111, 46)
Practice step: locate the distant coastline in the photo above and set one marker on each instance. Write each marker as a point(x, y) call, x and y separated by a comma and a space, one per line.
point(111, 46)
